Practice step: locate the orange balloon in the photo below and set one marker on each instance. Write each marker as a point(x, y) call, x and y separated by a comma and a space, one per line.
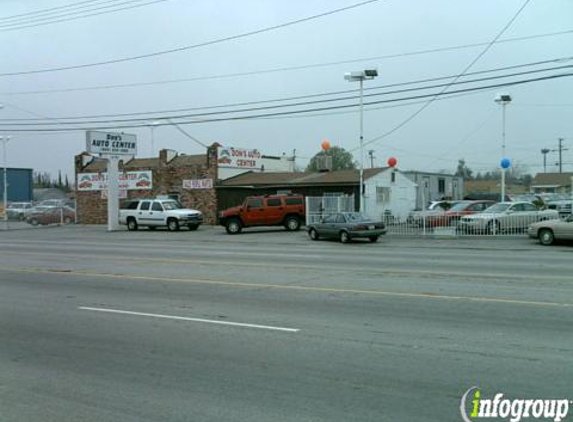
point(325, 145)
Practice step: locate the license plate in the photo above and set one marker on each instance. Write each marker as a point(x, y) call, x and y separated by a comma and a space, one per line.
point(370, 227)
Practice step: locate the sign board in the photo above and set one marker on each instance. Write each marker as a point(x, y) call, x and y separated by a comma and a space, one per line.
point(239, 158)
point(131, 180)
point(111, 143)
point(198, 184)
point(122, 194)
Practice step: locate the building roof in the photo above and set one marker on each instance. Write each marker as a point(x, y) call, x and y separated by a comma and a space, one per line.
point(339, 177)
point(99, 164)
point(552, 179)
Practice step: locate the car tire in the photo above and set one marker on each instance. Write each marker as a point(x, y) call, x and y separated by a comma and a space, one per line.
point(234, 226)
point(493, 227)
point(374, 239)
point(193, 227)
point(313, 234)
point(67, 220)
point(344, 237)
point(172, 225)
point(34, 222)
point(546, 237)
point(292, 223)
point(131, 224)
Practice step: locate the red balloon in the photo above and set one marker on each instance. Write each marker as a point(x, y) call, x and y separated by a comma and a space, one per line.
point(392, 162)
point(325, 145)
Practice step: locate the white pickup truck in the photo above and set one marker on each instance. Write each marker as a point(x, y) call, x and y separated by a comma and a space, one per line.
point(154, 213)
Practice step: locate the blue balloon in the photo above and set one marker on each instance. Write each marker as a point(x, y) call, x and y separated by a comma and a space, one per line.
point(505, 163)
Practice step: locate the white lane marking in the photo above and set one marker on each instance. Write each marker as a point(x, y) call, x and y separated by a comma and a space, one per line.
point(180, 318)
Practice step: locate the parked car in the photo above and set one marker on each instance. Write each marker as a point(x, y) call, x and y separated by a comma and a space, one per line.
point(52, 203)
point(549, 231)
point(505, 216)
point(562, 206)
point(346, 226)
point(453, 215)
point(436, 208)
point(154, 213)
point(51, 215)
point(19, 210)
point(270, 210)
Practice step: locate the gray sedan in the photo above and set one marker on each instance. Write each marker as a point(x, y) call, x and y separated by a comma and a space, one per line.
point(346, 226)
point(549, 231)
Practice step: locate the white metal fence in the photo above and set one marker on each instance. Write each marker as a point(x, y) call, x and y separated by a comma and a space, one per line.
point(482, 224)
point(321, 206)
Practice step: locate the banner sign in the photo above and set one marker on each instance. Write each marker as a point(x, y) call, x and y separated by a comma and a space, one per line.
point(198, 184)
point(111, 143)
point(131, 180)
point(239, 158)
point(122, 194)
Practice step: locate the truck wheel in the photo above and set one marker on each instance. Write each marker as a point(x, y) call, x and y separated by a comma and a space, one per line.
point(131, 224)
point(546, 237)
point(234, 226)
point(193, 227)
point(292, 223)
point(172, 225)
point(67, 220)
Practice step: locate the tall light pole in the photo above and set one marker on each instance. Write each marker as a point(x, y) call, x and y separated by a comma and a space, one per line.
point(361, 76)
point(152, 126)
point(545, 151)
point(503, 100)
point(5, 140)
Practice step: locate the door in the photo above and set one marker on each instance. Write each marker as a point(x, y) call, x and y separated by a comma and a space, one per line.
point(143, 213)
point(253, 214)
point(157, 214)
point(328, 227)
point(274, 212)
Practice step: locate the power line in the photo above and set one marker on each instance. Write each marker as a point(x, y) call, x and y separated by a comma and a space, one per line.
point(467, 68)
point(52, 9)
point(7, 28)
point(264, 115)
point(156, 113)
point(287, 68)
point(193, 46)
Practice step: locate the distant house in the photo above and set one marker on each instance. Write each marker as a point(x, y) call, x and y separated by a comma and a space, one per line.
point(435, 186)
point(489, 189)
point(552, 183)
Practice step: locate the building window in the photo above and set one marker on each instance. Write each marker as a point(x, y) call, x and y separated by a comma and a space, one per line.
point(382, 195)
point(393, 177)
point(442, 185)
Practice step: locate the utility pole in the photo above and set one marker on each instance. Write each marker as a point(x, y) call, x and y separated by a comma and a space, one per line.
point(545, 151)
point(560, 150)
point(371, 154)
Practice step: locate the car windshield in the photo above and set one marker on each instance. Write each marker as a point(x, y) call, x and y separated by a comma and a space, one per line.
point(354, 217)
point(460, 206)
point(171, 205)
point(498, 208)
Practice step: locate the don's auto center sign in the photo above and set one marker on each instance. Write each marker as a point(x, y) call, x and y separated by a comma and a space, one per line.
point(110, 143)
point(131, 180)
point(239, 158)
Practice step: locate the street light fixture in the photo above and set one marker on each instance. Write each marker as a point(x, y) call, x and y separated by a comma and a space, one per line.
point(361, 76)
point(503, 100)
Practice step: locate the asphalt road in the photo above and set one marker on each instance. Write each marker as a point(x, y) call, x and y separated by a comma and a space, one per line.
point(269, 326)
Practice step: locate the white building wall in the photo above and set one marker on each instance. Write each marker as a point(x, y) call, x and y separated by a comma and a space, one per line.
point(402, 195)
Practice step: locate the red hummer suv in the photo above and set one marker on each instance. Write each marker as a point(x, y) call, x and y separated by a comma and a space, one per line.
point(269, 210)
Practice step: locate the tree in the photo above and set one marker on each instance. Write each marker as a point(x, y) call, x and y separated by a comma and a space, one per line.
point(341, 159)
point(463, 170)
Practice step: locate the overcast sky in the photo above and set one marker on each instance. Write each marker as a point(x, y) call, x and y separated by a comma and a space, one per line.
point(467, 127)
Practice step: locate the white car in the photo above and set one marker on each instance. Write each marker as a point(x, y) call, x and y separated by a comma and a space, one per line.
point(154, 213)
point(505, 217)
point(549, 231)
